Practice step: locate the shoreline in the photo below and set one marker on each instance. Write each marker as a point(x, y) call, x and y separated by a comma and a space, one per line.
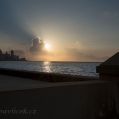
point(13, 60)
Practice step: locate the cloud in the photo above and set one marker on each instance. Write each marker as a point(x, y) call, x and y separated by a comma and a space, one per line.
point(110, 14)
point(75, 55)
point(74, 45)
point(93, 57)
point(19, 52)
point(37, 46)
point(72, 52)
point(23, 43)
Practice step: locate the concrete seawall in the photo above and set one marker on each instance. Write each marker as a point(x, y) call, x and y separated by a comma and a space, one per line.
point(51, 77)
point(33, 99)
point(96, 99)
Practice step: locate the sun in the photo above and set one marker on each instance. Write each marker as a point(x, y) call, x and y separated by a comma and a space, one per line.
point(47, 46)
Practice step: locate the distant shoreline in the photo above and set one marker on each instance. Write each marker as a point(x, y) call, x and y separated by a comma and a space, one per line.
point(65, 61)
point(52, 61)
point(13, 60)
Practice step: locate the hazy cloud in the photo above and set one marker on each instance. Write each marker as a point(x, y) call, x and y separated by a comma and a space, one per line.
point(75, 55)
point(23, 43)
point(74, 45)
point(19, 52)
point(93, 57)
point(109, 14)
point(37, 46)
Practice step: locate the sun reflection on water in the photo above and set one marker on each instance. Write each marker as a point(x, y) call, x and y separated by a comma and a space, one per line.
point(46, 67)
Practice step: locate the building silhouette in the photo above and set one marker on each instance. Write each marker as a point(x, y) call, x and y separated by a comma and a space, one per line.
point(12, 53)
point(10, 57)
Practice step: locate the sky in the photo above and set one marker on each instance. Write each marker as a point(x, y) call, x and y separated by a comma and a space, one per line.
point(73, 30)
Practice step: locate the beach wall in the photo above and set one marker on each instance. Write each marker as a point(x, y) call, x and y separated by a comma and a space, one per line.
point(84, 100)
point(51, 77)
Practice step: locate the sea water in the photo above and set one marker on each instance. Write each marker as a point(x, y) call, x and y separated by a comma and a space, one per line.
point(73, 68)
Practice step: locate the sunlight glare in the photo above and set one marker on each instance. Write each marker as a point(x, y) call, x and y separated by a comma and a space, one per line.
point(47, 46)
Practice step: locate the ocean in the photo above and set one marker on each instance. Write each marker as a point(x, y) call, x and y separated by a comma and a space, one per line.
point(73, 68)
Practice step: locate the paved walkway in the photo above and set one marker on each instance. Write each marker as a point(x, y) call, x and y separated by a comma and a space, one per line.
point(11, 81)
point(8, 83)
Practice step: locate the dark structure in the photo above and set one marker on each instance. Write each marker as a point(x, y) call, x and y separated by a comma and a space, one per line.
point(109, 70)
point(12, 53)
point(8, 57)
